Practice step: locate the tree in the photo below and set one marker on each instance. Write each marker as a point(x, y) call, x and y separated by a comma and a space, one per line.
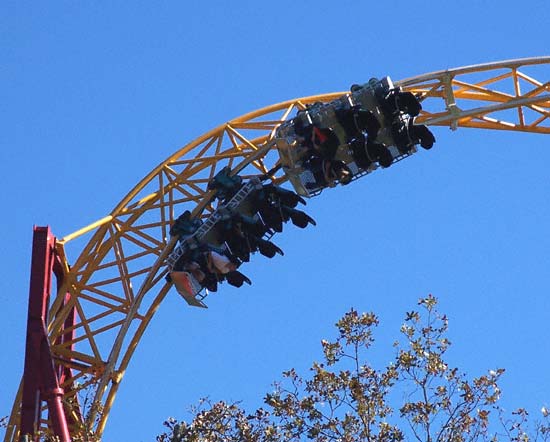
point(346, 399)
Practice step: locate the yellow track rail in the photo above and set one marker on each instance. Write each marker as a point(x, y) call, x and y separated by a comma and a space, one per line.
point(117, 282)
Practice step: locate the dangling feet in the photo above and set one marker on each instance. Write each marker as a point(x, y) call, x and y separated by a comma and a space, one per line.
point(421, 134)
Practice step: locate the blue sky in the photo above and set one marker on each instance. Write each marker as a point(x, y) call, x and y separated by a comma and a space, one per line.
point(96, 94)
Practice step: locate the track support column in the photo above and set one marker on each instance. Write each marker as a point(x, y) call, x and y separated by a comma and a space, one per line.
point(40, 378)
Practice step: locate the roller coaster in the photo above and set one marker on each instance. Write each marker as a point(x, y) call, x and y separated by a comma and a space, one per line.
point(197, 218)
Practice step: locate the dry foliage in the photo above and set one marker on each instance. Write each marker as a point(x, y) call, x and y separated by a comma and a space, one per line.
point(416, 397)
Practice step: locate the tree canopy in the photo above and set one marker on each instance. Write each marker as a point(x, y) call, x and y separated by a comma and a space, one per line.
point(417, 396)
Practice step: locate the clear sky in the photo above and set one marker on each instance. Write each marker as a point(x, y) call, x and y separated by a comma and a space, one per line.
point(95, 94)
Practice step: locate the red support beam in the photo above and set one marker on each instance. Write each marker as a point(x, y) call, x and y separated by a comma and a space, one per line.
point(40, 377)
point(73, 413)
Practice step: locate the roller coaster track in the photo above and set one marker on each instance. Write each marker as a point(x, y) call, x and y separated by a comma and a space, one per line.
point(116, 284)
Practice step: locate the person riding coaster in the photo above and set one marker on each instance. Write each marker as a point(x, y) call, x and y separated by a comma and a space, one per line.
point(366, 152)
point(204, 268)
point(355, 121)
point(225, 185)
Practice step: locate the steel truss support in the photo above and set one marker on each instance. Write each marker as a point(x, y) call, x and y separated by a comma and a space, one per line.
point(41, 378)
point(117, 283)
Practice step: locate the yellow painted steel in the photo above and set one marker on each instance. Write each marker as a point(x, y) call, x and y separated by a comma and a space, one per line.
point(116, 284)
point(488, 96)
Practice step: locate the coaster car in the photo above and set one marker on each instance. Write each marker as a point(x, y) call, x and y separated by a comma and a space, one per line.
point(248, 215)
point(331, 143)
